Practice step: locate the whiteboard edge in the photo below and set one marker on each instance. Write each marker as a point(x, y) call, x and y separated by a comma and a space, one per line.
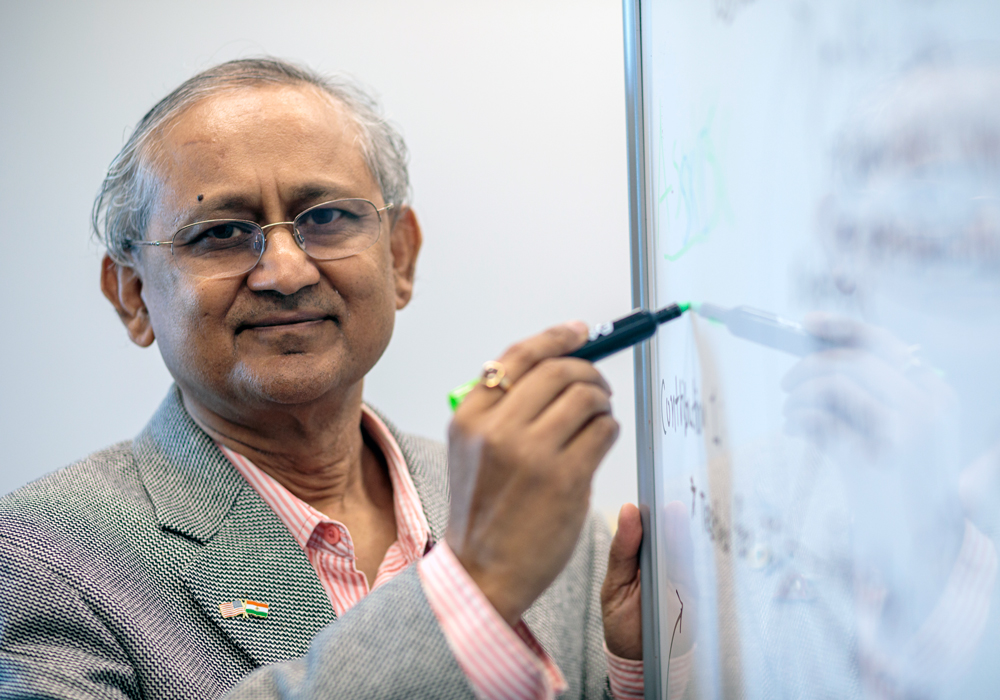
point(642, 355)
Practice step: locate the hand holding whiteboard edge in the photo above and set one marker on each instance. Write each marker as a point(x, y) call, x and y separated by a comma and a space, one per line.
point(605, 339)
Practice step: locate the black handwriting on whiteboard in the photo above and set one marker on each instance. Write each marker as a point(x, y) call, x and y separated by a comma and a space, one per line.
point(681, 409)
point(677, 625)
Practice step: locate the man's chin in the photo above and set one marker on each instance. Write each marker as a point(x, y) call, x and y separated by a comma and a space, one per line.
point(289, 380)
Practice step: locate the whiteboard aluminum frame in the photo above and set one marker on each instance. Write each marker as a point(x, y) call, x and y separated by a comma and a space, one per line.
point(643, 354)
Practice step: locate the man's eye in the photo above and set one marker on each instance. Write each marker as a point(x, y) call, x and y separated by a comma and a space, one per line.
point(323, 216)
point(214, 235)
point(225, 232)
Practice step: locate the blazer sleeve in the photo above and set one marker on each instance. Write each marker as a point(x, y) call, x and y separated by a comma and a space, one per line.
point(52, 645)
point(388, 646)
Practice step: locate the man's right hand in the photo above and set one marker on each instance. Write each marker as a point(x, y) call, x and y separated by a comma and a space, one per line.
point(521, 463)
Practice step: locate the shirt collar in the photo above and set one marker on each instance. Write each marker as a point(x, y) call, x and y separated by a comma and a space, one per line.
point(301, 519)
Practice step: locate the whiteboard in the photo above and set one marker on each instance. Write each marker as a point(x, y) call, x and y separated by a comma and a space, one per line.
point(818, 524)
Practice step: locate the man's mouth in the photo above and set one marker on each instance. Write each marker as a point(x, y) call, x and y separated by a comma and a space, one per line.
point(285, 321)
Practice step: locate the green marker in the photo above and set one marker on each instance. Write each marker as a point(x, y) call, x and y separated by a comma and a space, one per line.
point(605, 339)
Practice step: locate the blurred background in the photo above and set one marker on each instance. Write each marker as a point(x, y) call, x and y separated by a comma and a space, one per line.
point(514, 114)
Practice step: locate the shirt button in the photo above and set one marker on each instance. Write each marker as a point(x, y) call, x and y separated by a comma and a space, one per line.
point(332, 534)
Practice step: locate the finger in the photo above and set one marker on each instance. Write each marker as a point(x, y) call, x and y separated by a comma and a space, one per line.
point(885, 383)
point(840, 330)
point(848, 332)
point(856, 430)
point(826, 363)
point(554, 342)
point(569, 412)
point(623, 559)
point(592, 442)
point(844, 400)
point(547, 381)
point(826, 431)
point(522, 356)
point(621, 600)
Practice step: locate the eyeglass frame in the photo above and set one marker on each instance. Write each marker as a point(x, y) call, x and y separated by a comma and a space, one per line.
point(296, 236)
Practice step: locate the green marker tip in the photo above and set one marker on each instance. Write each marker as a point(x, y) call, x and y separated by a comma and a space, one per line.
point(707, 316)
point(457, 394)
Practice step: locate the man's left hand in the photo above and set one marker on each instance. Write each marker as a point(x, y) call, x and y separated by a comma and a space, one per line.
point(621, 601)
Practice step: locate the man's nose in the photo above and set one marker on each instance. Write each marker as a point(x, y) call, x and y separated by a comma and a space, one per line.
point(284, 267)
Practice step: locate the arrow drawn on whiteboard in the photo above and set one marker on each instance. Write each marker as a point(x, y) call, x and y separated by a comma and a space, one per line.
point(677, 625)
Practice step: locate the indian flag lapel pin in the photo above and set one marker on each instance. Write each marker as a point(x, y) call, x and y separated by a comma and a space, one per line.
point(255, 609)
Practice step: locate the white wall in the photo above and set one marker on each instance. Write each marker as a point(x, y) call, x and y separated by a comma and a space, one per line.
point(514, 113)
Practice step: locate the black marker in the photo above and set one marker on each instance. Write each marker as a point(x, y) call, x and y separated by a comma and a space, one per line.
point(765, 329)
point(605, 339)
point(608, 338)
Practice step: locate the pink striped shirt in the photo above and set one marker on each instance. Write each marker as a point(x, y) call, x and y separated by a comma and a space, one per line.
point(499, 661)
point(626, 676)
point(944, 645)
point(327, 543)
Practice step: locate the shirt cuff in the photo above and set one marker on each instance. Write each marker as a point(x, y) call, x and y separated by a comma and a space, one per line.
point(500, 662)
point(948, 638)
point(946, 642)
point(625, 676)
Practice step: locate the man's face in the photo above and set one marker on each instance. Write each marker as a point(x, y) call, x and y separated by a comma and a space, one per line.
point(293, 329)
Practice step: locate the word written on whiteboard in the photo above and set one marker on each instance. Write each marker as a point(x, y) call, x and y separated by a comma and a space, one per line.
point(763, 540)
point(681, 409)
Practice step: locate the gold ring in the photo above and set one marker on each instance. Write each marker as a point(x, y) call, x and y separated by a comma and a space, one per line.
point(495, 375)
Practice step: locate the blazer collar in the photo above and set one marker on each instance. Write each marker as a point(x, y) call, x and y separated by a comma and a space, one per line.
point(190, 482)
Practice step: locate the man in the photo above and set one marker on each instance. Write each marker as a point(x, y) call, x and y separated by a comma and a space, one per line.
point(257, 229)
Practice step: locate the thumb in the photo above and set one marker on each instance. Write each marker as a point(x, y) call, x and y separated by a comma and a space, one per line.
point(623, 559)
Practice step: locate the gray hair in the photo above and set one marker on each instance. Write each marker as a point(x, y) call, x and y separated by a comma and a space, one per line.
point(125, 201)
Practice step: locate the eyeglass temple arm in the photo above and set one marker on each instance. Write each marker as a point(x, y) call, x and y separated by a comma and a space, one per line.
point(132, 241)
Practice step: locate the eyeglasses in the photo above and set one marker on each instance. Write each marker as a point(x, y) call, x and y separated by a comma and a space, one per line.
point(221, 248)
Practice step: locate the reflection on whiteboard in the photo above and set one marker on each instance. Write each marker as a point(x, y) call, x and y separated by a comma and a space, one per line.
point(828, 496)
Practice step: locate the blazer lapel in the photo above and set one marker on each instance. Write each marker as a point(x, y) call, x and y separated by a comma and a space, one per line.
point(253, 557)
point(247, 552)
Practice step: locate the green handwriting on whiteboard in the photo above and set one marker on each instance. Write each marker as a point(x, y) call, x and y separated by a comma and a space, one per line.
point(691, 199)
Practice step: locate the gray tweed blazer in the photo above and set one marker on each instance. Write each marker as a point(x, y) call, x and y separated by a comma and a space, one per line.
point(112, 571)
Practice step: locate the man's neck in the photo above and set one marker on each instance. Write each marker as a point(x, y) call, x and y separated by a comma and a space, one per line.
point(322, 458)
point(317, 453)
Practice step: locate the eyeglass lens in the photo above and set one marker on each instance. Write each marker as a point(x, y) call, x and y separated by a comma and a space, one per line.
point(227, 248)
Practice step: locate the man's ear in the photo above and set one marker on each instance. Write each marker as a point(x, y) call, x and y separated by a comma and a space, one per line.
point(123, 288)
point(405, 240)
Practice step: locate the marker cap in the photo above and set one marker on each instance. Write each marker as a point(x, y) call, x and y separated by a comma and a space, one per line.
point(457, 395)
